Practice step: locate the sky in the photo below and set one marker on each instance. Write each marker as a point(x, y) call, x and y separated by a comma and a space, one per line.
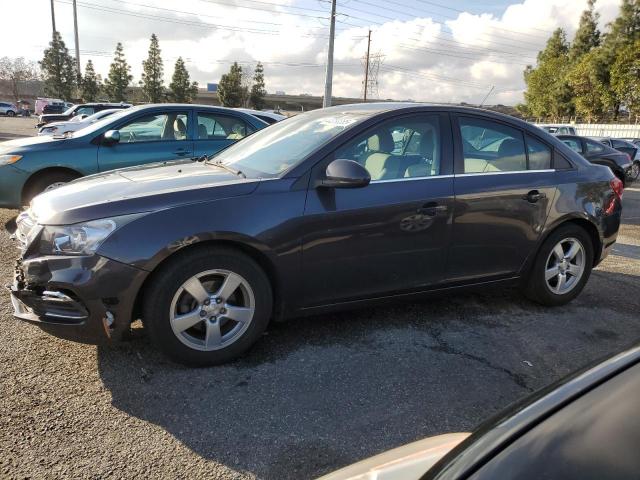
point(430, 50)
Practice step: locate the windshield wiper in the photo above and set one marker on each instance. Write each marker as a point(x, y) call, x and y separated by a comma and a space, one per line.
point(227, 168)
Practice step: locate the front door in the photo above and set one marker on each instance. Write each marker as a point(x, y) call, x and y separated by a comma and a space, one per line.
point(504, 186)
point(153, 137)
point(391, 236)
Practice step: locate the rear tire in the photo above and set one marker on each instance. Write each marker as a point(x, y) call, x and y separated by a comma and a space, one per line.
point(46, 181)
point(11, 113)
point(169, 299)
point(555, 279)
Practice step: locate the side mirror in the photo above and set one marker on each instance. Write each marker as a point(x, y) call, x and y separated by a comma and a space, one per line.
point(111, 137)
point(345, 174)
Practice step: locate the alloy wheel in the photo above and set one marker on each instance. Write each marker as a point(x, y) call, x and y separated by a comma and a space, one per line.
point(565, 266)
point(212, 309)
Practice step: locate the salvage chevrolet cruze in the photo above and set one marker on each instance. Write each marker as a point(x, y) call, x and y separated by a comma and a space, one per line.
point(333, 208)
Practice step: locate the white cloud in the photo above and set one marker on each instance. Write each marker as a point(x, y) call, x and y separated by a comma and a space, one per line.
point(426, 59)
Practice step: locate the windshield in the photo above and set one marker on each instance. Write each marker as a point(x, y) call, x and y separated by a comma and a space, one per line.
point(103, 122)
point(274, 150)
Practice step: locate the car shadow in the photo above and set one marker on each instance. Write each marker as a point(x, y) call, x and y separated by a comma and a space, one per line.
point(318, 393)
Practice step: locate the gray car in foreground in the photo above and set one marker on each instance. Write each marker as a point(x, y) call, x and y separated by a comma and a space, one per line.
point(331, 209)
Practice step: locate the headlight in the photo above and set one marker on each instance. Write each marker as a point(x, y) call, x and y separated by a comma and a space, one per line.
point(81, 239)
point(9, 159)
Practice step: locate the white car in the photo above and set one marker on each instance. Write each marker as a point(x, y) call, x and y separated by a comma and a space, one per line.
point(269, 117)
point(76, 123)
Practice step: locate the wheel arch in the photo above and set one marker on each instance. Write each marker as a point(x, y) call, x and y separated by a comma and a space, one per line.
point(583, 222)
point(251, 251)
point(44, 171)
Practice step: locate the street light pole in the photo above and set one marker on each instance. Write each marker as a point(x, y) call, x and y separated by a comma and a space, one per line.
point(75, 31)
point(366, 69)
point(53, 18)
point(326, 102)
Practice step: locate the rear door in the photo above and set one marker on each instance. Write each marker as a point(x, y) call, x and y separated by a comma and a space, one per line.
point(150, 137)
point(393, 235)
point(216, 131)
point(504, 186)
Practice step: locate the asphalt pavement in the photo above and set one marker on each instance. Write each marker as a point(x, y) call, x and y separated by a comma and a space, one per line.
point(314, 395)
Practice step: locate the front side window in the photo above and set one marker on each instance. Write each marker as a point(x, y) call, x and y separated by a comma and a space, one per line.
point(398, 149)
point(155, 127)
point(539, 154)
point(212, 126)
point(491, 147)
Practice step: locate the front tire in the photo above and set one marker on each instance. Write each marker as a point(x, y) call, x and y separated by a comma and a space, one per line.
point(562, 267)
point(11, 113)
point(207, 306)
point(46, 181)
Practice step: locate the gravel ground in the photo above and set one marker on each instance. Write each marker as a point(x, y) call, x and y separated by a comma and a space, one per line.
point(314, 395)
point(16, 127)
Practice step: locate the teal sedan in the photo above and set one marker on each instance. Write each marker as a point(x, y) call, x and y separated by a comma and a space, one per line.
point(138, 135)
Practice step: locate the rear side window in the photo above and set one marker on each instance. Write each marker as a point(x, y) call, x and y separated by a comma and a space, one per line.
point(594, 147)
point(212, 126)
point(572, 144)
point(491, 147)
point(539, 154)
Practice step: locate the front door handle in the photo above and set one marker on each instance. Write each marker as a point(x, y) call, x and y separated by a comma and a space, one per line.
point(533, 196)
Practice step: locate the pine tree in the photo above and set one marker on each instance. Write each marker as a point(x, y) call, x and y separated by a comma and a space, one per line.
point(115, 86)
point(181, 89)
point(548, 93)
point(587, 80)
point(587, 36)
point(58, 69)
point(623, 31)
point(258, 90)
point(625, 77)
point(230, 89)
point(152, 82)
point(90, 83)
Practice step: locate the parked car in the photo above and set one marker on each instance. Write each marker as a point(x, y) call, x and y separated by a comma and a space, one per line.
point(598, 153)
point(559, 129)
point(321, 211)
point(134, 136)
point(8, 109)
point(80, 109)
point(76, 123)
point(50, 105)
point(635, 141)
point(269, 117)
point(620, 145)
point(587, 427)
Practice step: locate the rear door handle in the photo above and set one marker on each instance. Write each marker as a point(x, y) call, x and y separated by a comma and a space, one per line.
point(181, 152)
point(533, 196)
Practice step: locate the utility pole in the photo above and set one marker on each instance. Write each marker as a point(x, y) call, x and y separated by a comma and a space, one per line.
point(75, 31)
point(53, 18)
point(326, 102)
point(366, 68)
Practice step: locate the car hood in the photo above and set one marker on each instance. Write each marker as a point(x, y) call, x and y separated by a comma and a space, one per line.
point(137, 189)
point(409, 462)
point(20, 144)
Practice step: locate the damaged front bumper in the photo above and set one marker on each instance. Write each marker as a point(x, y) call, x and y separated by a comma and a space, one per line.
point(82, 298)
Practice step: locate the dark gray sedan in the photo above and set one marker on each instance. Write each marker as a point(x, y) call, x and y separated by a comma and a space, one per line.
point(330, 209)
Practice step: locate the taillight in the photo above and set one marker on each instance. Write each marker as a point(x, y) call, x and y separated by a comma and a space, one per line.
point(618, 188)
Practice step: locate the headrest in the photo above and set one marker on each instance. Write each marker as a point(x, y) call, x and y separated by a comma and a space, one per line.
point(179, 126)
point(511, 147)
point(381, 142)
